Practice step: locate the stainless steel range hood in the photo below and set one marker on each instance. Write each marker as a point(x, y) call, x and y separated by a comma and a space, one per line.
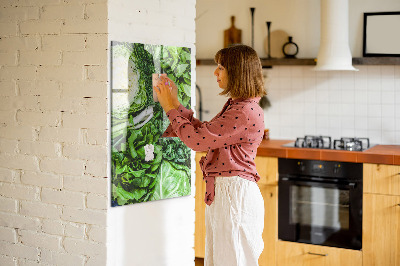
point(334, 51)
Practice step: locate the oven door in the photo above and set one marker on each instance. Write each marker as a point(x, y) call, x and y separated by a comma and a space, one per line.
point(320, 212)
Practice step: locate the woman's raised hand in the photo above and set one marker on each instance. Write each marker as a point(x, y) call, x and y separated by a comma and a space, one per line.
point(174, 90)
point(164, 89)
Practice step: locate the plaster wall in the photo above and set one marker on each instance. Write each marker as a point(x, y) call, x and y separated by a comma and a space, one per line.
point(160, 232)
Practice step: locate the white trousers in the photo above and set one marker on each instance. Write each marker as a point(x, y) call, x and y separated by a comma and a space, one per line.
point(234, 223)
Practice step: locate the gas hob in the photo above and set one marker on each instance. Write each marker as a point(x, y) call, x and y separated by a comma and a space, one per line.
point(325, 142)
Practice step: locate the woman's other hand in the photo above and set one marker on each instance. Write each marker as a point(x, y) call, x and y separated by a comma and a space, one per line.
point(164, 95)
point(174, 90)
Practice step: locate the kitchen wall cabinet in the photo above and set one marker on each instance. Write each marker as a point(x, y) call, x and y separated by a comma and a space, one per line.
point(298, 254)
point(381, 215)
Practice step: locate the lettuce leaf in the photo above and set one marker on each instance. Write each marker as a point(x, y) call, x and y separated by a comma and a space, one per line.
point(176, 63)
point(172, 182)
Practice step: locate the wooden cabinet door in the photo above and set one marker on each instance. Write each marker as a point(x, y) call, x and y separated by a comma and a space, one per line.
point(200, 207)
point(381, 230)
point(298, 254)
point(270, 233)
point(381, 179)
point(267, 168)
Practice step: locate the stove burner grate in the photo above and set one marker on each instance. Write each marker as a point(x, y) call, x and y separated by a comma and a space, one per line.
point(351, 144)
point(321, 142)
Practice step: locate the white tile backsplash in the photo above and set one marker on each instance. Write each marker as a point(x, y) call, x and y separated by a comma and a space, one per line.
point(348, 96)
point(387, 72)
point(335, 95)
point(397, 123)
point(387, 124)
point(310, 108)
point(360, 97)
point(375, 136)
point(388, 84)
point(322, 95)
point(390, 136)
point(397, 110)
point(374, 83)
point(374, 110)
point(334, 108)
point(361, 110)
point(298, 83)
point(397, 95)
point(322, 121)
point(361, 124)
point(388, 111)
point(348, 123)
point(388, 97)
point(374, 123)
point(284, 83)
point(364, 103)
point(374, 97)
point(322, 109)
point(347, 110)
point(397, 72)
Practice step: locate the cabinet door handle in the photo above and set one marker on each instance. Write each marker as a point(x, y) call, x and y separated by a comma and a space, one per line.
point(318, 254)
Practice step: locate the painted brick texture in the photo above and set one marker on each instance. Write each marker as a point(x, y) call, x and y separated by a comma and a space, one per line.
point(53, 132)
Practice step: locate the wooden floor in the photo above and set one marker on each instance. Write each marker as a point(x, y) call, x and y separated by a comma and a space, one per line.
point(199, 262)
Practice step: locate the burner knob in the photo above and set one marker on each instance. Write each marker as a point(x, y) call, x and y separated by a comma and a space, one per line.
point(302, 167)
point(336, 169)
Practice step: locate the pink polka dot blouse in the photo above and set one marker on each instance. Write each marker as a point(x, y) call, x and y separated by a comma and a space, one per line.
point(231, 139)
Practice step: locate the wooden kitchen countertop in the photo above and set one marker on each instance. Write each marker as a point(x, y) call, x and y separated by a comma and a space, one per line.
point(379, 154)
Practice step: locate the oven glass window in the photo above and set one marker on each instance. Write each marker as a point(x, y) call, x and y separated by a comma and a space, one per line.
point(318, 207)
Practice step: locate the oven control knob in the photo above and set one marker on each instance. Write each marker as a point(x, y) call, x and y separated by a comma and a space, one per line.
point(302, 167)
point(336, 169)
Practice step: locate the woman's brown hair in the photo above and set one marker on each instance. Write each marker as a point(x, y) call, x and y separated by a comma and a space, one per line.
point(245, 78)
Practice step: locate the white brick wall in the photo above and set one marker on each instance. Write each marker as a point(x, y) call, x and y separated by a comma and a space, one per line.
point(75, 230)
point(53, 129)
point(8, 234)
point(53, 137)
point(61, 258)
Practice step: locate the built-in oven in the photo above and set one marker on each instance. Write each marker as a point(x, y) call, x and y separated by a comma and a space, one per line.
point(320, 202)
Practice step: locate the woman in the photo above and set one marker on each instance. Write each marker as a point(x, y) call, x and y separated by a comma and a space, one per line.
point(235, 207)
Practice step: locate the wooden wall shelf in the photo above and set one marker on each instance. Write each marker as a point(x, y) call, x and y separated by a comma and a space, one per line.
point(312, 61)
point(376, 61)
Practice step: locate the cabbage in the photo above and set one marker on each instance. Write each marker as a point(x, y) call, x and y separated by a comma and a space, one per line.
point(135, 164)
point(173, 181)
point(127, 92)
